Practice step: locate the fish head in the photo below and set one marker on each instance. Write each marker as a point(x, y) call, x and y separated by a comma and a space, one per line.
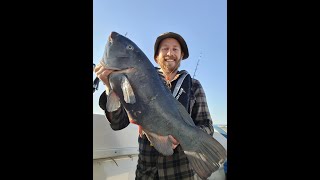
point(121, 53)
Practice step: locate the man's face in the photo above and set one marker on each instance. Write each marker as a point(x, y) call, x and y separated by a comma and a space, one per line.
point(169, 55)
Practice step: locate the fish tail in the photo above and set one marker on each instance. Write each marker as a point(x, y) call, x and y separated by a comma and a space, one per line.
point(207, 157)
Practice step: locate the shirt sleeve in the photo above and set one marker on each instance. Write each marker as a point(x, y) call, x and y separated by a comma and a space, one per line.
point(200, 111)
point(118, 119)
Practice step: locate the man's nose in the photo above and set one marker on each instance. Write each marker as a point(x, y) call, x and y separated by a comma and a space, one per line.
point(170, 52)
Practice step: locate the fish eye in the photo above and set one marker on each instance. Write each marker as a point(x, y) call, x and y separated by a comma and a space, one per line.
point(130, 47)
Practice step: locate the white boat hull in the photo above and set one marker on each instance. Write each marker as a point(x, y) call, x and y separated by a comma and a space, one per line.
point(115, 153)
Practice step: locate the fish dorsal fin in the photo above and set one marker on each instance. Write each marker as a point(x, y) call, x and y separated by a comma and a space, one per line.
point(127, 91)
point(162, 144)
point(113, 102)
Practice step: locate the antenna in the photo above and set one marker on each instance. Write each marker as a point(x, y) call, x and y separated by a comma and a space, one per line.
point(194, 74)
point(126, 34)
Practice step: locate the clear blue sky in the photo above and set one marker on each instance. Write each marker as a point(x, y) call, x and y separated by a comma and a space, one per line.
point(202, 23)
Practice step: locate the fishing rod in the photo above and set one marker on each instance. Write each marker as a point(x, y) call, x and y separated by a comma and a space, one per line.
point(194, 74)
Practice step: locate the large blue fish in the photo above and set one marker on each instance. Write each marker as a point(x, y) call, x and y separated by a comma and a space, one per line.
point(136, 85)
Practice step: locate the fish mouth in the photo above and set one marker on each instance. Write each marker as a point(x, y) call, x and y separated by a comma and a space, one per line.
point(108, 67)
point(113, 68)
point(126, 70)
point(118, 70)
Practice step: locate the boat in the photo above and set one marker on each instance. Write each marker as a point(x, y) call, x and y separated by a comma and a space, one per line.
point(115, 153)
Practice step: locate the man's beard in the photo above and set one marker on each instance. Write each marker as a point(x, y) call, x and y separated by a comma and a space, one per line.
point(168, 69)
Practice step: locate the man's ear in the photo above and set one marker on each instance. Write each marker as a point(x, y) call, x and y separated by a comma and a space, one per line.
point(156, 59)
point(182, 54)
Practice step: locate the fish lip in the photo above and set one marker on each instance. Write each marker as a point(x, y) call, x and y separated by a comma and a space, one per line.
point(109, 67)
point(118, 70)
point(113, 68)
point(126, 70)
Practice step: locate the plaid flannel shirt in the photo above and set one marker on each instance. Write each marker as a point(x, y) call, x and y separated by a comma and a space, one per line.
point(153, 165)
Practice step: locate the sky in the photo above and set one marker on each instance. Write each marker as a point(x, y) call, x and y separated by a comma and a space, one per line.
point(202, 23)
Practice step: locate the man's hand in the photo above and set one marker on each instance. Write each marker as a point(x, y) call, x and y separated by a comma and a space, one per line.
point(175, 143)
point(102, 73)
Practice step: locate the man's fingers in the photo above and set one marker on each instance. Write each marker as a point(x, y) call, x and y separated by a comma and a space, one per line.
point(173, 140)
point(103, 74)
point(98, 67)
point(174, 146)
point(100, 70)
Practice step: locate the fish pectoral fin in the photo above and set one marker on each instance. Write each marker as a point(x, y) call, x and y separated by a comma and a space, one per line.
point(127, 91)
point(113, 102)
point(161, 143)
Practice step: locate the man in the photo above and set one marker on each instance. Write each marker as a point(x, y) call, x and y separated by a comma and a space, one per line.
point(169, 50)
